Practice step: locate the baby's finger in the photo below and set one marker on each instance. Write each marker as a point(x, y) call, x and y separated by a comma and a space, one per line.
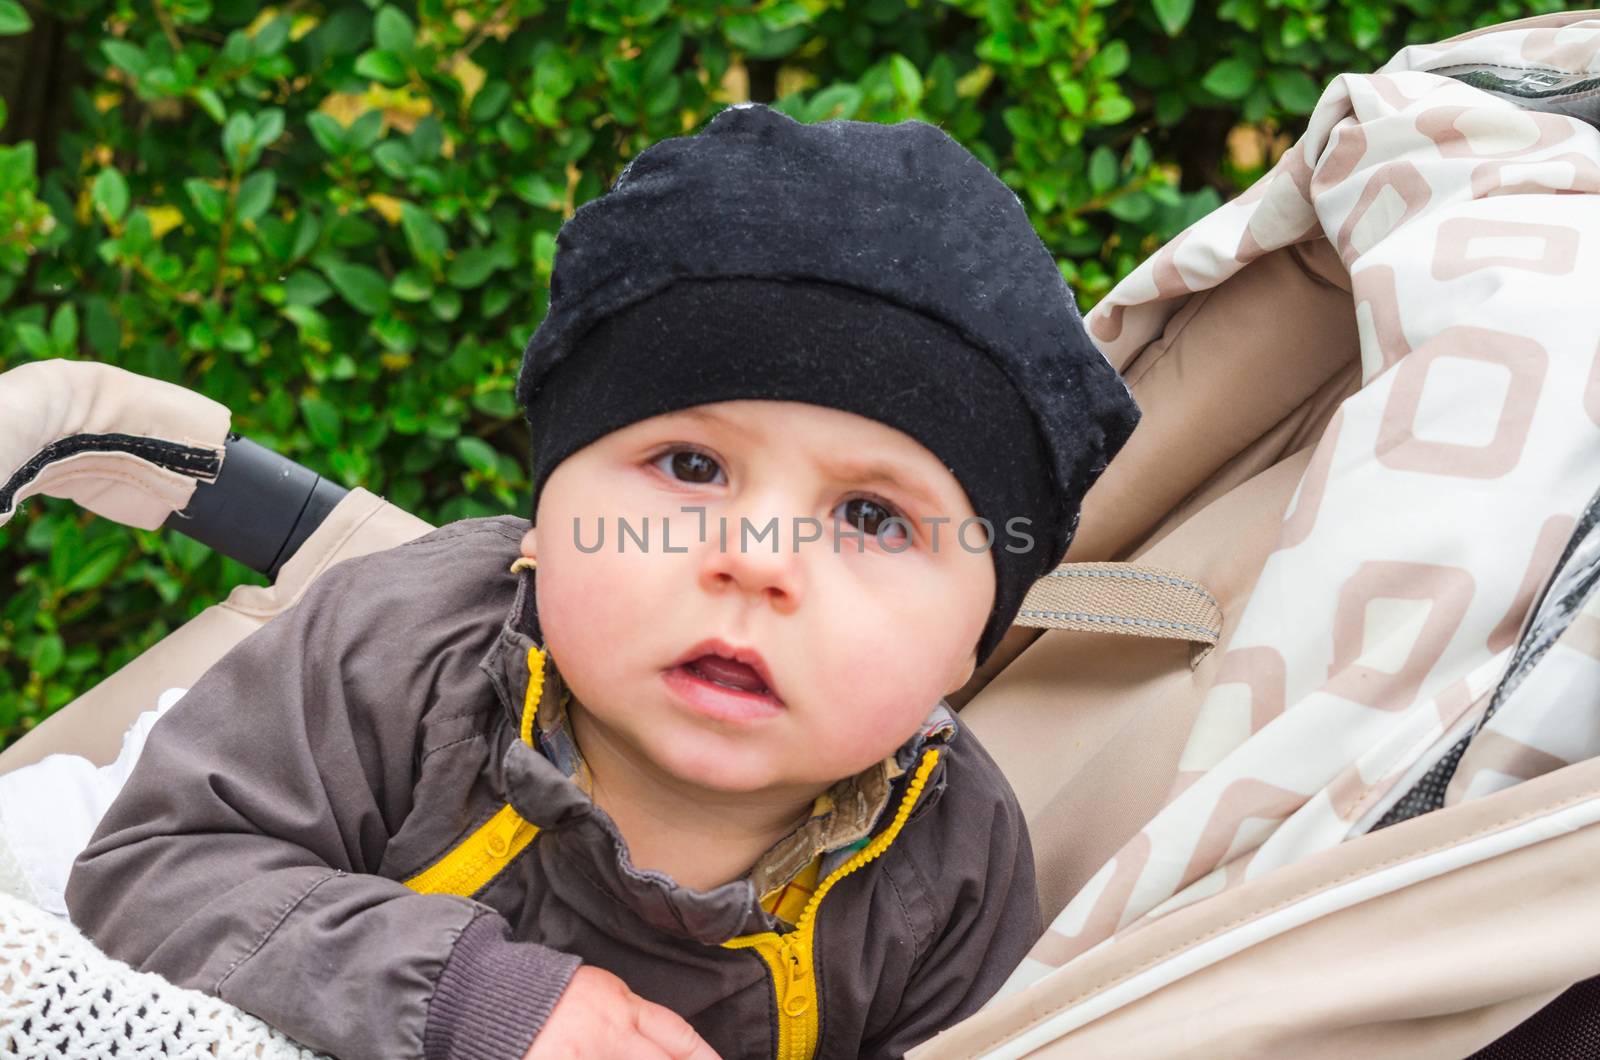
point(670, 1031)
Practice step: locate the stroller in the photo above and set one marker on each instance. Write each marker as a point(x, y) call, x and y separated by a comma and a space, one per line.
point(1305, 731)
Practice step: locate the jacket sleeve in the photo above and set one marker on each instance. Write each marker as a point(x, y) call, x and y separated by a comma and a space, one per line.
point(978, 868)
point(241, 856)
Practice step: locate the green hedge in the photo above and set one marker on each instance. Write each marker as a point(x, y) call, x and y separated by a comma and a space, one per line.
point(338, 218)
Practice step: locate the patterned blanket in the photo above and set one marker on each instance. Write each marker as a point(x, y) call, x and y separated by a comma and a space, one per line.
point(1460, 185)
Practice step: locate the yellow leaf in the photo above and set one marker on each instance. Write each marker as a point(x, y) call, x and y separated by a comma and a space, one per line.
point(387, 205)
point(267, 14)
point(343, 107)
point(302, 25)
point(163, 219)
point(971, 84)
point(402, 107)
point(469, 74)
point(793, 79)
point(104, 101)
point(735, 87)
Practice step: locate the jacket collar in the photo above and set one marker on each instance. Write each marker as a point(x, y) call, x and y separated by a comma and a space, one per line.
point(548, 784)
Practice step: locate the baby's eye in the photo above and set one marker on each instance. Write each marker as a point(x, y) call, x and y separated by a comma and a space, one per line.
point(689, 465)
point(872, 517)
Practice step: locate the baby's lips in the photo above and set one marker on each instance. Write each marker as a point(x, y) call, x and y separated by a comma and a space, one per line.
point(730, 672)
point(738, 666)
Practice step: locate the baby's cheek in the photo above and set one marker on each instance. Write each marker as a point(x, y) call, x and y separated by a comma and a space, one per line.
point(578, 612)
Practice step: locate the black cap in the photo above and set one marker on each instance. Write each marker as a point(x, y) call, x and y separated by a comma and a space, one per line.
point(878, 269)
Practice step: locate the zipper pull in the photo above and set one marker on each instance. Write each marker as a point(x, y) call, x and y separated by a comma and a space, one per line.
point(797, 997)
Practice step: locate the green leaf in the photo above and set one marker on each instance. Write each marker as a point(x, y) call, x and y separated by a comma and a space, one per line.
point(544, 251)
point(110, 195)
point(255, 195)
point(660, 59)
point(361, 286)
point(835, 101)
point(1294, 90)
point(537, 191)
point(396, 335)
point(1111, 61)
point(211, 103)
point(499, 404)
point(13, 19)
point(427, 138)
point(1173, 14)
point(394, 158)
point(364, 131)
point(496, 300)
point(1229, 79)
point(490, 101)
point(425, 236)
point(49, 652)
point(97, 567)
point(237, 338)
point(208, 201)
point(907, 79)
point(784, 14)
point(304, 287)
point(129, 57)
point(64, 328)
point(748, 34)
point(446, 305)
point(1102, 170)
point(516, 133)
point(327, 132)
point(269, 126)
point(1366, 27)
point(412, 285)
point(1132, 208)
point(476, 454)
point(322, 421)
point(271, 38)
point(100, 324)
point(238, 137)
point(33, 339)
point(1109, 110)
point(470, 268)
point(383, 66)
point(393, 31)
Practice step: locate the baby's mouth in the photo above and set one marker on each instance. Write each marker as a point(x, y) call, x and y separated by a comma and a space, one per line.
point(727, 673)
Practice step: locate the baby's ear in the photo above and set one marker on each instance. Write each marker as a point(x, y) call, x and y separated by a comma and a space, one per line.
point(529, 545)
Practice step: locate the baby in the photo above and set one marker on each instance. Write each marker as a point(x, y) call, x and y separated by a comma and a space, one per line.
point(668, 772)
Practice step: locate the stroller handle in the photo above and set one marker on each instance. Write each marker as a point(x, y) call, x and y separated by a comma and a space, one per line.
point(147, 454)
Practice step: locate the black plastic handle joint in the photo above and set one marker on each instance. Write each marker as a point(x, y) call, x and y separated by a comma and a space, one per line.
point(261, 508)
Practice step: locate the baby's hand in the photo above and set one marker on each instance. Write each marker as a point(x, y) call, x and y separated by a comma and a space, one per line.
point(599, 1018)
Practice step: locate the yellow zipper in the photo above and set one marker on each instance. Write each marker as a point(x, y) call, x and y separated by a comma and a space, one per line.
point(468, 867)
point(789, 957)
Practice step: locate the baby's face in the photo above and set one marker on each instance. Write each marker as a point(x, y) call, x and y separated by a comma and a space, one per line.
point(852, 639)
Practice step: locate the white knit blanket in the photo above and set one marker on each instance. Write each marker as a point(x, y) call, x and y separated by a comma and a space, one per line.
point(60, 997)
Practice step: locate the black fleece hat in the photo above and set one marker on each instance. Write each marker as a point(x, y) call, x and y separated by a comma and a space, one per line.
point(877, 269)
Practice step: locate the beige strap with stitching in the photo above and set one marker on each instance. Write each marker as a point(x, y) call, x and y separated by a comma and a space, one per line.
point(1125, 598)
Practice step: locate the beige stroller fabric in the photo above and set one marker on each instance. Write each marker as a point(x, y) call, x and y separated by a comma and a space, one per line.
point(1365, 622)
point(53, 412)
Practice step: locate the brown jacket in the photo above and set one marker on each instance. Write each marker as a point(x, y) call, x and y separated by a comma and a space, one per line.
point(351, 828)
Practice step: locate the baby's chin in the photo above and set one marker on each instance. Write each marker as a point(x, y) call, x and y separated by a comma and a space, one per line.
point(721, 768)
